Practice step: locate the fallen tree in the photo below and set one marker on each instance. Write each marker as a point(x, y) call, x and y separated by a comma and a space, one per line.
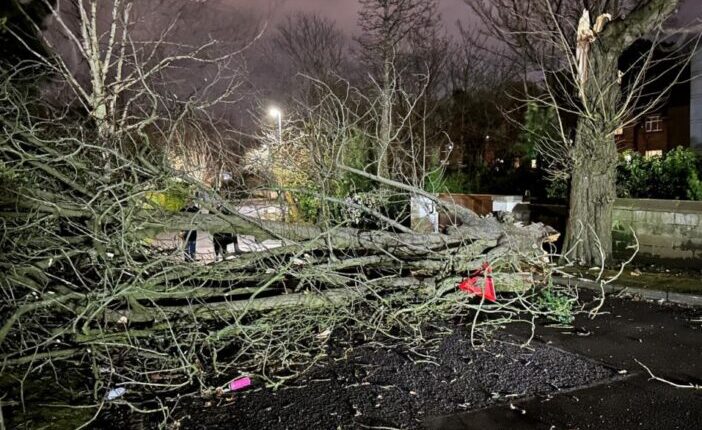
point(81, 283)
point(84, 289)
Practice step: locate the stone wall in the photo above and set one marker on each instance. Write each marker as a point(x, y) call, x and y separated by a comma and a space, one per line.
point(669, 231)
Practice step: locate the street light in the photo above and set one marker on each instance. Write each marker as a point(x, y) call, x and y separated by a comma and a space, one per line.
point(276, 113)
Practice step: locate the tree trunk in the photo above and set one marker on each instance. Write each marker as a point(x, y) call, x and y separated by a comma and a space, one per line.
point(593, 178)
point(594, 156)
point(592, 195)
point(385, 131)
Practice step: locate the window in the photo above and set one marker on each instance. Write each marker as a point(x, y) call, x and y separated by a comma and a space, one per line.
point(619, 131)
point(533, 163)
point(654, 153)
point(653, 124)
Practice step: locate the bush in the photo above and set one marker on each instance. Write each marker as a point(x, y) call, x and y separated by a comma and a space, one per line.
point(557, 189)
point(172, 198)
point(456, 181)
point(461, 182)
point(301, 168)
point(672, 176)
point(504, 178)
point(557, 305)
point(435, 180)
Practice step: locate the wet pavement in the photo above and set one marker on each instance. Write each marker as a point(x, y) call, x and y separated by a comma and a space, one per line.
point(667, 339)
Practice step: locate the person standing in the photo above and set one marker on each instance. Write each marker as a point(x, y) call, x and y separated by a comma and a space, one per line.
point(190, 236)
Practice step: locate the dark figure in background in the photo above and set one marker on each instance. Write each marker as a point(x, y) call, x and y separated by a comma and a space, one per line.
point(221, 240)
point(190, 237)
point(190, 243)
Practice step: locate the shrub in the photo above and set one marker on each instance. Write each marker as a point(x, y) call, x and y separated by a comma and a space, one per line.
point(557, 189)
point(557, 305)
point(540, 125)
point(461, 182)
point(672, 176)
point(172, 198)
point(301, 167)
point(456, 181)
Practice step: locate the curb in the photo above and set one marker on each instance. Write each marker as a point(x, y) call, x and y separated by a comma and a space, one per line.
point(656, 295)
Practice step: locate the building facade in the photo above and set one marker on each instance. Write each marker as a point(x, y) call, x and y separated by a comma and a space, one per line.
point(676, 122)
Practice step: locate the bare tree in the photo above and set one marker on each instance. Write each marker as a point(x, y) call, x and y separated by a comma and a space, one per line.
point(480, 87)
point(388, 26)
point(314, 44)
point(118, 69)
point(578, 55)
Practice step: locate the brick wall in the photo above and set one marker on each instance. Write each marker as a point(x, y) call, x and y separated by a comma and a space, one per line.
point(669, 231)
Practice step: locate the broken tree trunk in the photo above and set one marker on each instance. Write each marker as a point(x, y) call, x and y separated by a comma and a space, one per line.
point(594, 153)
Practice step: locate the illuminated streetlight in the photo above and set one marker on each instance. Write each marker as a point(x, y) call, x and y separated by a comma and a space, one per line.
point(278, 114)
point(274, 112)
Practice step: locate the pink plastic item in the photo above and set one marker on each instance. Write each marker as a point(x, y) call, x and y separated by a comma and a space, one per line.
point(239, 383)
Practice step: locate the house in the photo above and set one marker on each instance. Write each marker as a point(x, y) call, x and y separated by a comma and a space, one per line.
point(677, 120)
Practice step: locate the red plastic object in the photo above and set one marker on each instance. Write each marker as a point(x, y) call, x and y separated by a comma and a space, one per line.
point(470, 285)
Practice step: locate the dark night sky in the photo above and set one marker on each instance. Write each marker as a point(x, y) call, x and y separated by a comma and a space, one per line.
point(266, 77)
point(344, 12)
point(266, 71)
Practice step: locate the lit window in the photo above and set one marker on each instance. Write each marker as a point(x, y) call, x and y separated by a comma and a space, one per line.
point(653, 153)
point(533, 164)
point(653, 124)
point(619, 131)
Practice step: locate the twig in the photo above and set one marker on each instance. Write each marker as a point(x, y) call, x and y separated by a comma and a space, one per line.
point(665, 381)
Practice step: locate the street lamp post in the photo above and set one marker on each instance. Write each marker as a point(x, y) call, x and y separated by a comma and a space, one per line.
point(292, 207)
point(276, 113)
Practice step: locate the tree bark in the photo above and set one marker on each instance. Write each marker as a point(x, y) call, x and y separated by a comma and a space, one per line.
point(387, 91)
point(592, 195)
point(593, 179)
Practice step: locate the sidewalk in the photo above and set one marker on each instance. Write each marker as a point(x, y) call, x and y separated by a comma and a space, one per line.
point(676, 286)
point(667, 339)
